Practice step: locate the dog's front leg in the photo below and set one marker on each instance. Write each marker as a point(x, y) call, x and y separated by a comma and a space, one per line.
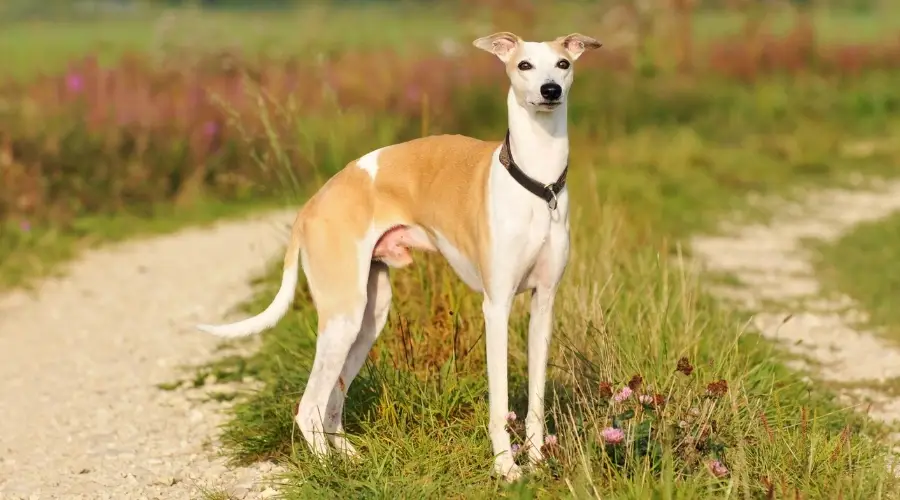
point(551, 266)
point(539, 333)
point(496, 319)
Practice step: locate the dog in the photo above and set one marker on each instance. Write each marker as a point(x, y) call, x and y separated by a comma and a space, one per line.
point(497, 211)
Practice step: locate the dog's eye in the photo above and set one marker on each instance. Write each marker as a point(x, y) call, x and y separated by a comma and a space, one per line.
point(525, 66)
point(563, 64)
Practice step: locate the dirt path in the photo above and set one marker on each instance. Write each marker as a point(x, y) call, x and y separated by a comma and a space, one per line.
point(777, 279)
point(80, 413)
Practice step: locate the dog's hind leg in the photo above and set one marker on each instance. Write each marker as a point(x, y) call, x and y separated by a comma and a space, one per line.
point(336, 335)
point(375, 317)
point(337, 271)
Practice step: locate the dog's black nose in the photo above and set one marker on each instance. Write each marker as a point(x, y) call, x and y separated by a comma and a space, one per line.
point(551, 91)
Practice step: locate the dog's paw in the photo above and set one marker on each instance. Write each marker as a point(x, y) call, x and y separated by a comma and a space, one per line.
point(505, 468)
point(345, 448)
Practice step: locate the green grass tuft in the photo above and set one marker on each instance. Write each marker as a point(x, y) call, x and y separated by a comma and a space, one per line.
point(865, 265)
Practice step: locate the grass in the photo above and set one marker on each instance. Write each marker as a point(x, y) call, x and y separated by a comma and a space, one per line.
point(865, 265)
point(418, 412)
point(372, 26)
point(29, 252)
point(627, 307)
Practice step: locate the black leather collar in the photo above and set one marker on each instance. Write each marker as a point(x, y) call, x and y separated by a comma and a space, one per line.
point(546, 192)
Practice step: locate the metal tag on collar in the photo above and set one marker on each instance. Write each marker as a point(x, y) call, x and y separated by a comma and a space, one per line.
point(552, 202)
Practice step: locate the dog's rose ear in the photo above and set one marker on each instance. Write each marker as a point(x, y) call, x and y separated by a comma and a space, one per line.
point(500, 44)
point(576, 44)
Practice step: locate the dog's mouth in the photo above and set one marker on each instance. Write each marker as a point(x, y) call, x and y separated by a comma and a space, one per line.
point(547, 104)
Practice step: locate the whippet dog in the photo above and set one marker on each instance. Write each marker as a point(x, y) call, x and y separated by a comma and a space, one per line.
point(497, 211)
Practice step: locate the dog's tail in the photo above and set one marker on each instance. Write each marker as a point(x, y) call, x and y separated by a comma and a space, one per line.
point(280, 304)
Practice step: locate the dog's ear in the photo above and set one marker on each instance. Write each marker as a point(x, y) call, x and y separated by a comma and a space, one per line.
point(501, 44)
point(576, 44)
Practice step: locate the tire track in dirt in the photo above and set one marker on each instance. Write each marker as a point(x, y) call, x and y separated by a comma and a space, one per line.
point(778, 282)
point(81, 415)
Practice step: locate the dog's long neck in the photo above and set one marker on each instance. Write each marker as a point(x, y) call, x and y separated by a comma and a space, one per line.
point(539, 140)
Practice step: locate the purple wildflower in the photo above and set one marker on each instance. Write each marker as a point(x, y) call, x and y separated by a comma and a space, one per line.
point(74, 82)
point(511, 416)
point(551, 440)
point(622, 395)
point(611, 435)
point(717, 468)
point(516, 449)
point(210, 128)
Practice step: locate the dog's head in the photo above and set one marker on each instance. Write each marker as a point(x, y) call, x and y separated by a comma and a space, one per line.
point(541, 73)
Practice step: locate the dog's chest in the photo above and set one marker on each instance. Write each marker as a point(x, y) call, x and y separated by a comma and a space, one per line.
point(521, 226)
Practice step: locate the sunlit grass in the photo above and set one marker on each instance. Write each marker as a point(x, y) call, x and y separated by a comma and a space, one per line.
point(865, 265)
point(418, 411)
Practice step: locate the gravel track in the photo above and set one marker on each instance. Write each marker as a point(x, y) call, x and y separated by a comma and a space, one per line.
point(81, 415)
point(777, 280)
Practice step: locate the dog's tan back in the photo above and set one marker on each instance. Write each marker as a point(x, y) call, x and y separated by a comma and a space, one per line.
point(408, 184)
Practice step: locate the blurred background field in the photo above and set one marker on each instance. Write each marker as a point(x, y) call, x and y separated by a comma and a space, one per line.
point(61, 30)
point(110, 28)
point(111, 108)
point(119, 118)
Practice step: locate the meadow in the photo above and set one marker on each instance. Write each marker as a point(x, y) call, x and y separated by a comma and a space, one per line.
point(863, 265)
point(669, 132)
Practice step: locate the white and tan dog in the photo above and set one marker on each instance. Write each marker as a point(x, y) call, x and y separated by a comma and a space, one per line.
point(499, 213)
